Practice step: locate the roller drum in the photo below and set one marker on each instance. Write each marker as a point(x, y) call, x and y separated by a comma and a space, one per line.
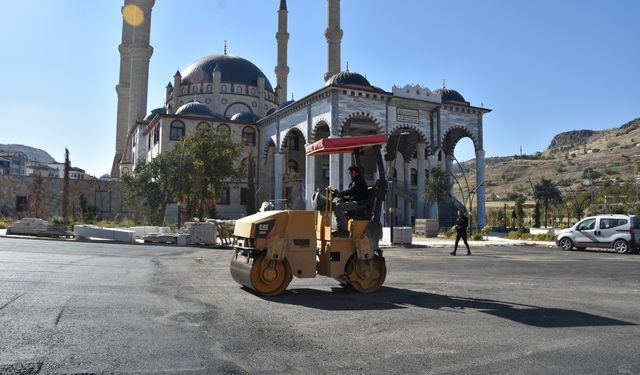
point(241, 270)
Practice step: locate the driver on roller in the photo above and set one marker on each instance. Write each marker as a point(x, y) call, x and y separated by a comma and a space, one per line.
point(349, 200)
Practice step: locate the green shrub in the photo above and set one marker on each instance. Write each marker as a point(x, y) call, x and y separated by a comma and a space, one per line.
point(514, 235)
point(477, 237)
point(6, 222)
point(56, 219)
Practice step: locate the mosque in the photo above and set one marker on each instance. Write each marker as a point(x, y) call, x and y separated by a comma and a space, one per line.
point(229, 93)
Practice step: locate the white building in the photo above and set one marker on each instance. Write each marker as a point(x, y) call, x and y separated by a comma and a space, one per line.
point(230, 93)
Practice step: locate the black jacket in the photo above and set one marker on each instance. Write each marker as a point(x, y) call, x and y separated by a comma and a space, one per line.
point(462, 223)
point(357, 191)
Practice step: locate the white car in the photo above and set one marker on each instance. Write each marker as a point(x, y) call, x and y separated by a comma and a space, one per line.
point(604, 231)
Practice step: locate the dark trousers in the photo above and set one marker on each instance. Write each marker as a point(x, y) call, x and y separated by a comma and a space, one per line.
point(462, 235)
point(340, 209)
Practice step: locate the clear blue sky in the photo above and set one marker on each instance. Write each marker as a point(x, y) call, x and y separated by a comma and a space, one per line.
point(544, 66)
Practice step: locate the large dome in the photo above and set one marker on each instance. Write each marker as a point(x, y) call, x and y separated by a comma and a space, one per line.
point(348, 78)
point(449, 95)
point(234, 70)
point(197, 109)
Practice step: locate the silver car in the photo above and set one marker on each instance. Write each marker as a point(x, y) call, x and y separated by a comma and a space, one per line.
point(603, 231)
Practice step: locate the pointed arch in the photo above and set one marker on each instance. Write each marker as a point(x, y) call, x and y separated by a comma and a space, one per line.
point(453, 135)
point(347, 127)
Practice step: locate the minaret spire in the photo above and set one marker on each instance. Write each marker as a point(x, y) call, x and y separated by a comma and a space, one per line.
point(333, 34)
point(132, 89)
point(282, 37)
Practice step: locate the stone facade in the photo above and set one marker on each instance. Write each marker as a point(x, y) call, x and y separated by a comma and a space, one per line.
point(105, 195)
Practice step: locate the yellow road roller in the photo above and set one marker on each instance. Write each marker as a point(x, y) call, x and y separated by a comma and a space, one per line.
point(274, 246)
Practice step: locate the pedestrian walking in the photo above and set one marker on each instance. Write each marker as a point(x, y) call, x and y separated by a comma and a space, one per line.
point(462, 223)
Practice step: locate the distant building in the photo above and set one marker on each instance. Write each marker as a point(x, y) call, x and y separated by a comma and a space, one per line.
point(74, 173)
point(35, 168)
point(17, 162)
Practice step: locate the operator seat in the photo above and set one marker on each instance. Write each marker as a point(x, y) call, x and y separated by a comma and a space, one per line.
point(365, 209)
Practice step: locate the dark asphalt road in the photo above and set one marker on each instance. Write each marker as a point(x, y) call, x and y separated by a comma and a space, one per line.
point(70, 307)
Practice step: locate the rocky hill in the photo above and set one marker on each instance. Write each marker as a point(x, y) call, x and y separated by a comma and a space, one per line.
point(571, 138)
point(574, 160)
point(31, 152)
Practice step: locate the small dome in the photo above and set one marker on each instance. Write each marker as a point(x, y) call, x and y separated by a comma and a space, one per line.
point(234, 69)
point(153, 113)
point(286, 104)
point(348, 78)
point(197, 109)
point(449, 95)
point(246, 117)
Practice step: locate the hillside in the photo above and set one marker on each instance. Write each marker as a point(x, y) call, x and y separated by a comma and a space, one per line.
point(32, 153)
point(613, 156)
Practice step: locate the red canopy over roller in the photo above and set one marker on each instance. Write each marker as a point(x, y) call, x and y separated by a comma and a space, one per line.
point(344, 145)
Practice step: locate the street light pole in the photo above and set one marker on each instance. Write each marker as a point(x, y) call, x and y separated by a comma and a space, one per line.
point(392, 209)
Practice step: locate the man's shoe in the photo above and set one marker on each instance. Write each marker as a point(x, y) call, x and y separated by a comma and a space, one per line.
point(453, 253)
point(340, 233)
point(468, 252)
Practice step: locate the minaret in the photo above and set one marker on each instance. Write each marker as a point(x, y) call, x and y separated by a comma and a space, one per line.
point(135, 53)
point(334, 36)
point(282, 36)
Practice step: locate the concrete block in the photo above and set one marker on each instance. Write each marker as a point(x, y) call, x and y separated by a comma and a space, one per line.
point(142, 231)
point(182, 239)
point(401, 235)
point(29, 226)
point(202, 233)
point(427, 228)
point(90, 231)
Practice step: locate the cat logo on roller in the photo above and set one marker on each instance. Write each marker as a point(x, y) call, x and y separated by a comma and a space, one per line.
point(274, 246)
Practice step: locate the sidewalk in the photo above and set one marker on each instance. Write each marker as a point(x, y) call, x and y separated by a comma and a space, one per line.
point(440, 242)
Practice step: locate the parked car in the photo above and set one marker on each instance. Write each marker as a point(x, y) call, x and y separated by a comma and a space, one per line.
point(619, 232)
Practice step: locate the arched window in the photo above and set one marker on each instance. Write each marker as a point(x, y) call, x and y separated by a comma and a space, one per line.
point(291, 141)
point(292, 166)
point(414, 176)
point(236, 107)
point(253, 91)
point(238, 89)
point(208, 88)
point(203, 125)
point(184, 90)
point(224, 88)
point(249, 136)
point(177, 130)
point(224, 128)
point(195, 90)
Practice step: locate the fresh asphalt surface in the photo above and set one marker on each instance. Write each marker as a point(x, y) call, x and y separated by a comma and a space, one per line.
point(74, 307)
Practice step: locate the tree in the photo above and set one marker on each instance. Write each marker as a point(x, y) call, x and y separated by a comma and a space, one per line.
point(437, 187)
point(65, 186)
point(547, 192)
point(35, 197)
point(141, 188)
point(195, 172)
point(209, 166)
point(251, 185)
point(536, 215)
point(519, 210)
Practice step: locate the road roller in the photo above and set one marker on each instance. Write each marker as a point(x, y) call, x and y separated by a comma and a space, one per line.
point(272, 247)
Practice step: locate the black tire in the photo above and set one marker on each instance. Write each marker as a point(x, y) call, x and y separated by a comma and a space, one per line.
point(621, 246)
point(565, 244)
